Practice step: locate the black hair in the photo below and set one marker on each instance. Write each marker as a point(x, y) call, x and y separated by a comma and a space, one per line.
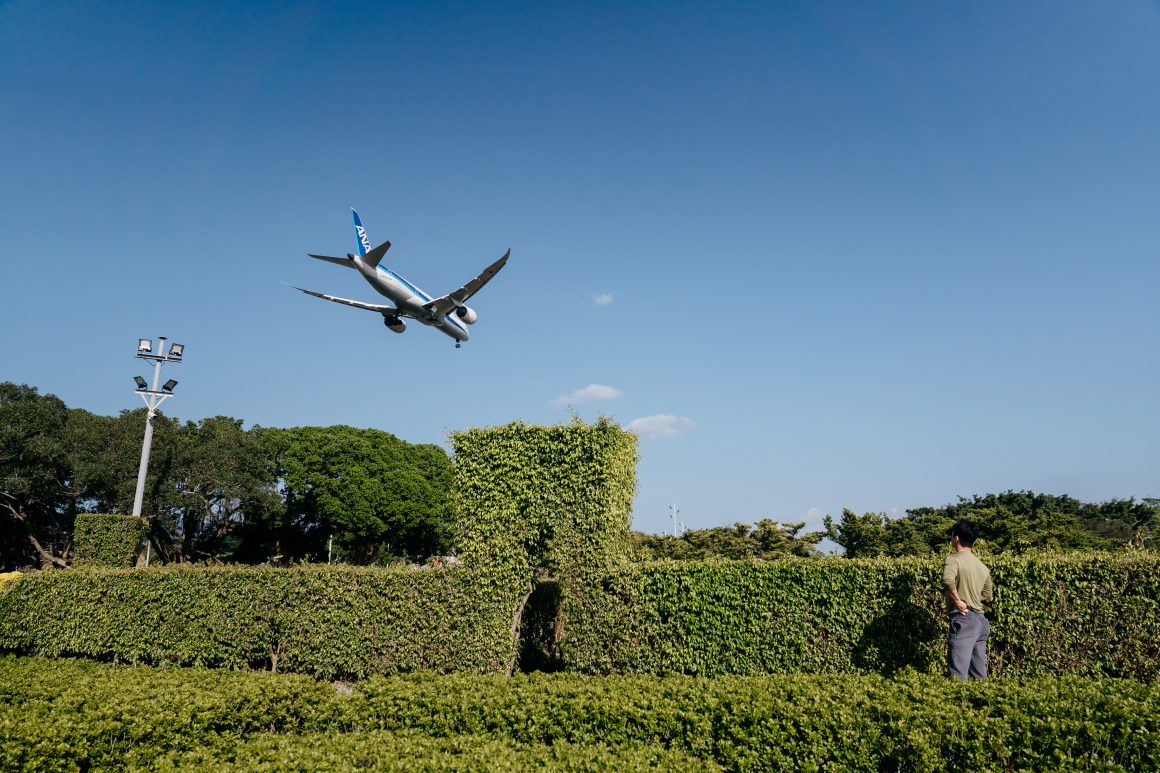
point(967, 533)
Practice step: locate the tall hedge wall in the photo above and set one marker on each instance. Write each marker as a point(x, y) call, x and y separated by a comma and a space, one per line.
point(107, 540)
point(554, 497)
point(556, 500)
point(325, 621)
point(1082, 614)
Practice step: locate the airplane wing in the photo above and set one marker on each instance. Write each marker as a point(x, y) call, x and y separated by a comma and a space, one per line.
point(447, 303)
point(381, 308)
point(340, 261)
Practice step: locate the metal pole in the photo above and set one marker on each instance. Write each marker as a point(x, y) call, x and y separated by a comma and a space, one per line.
point(151, 404)
point(152, 398)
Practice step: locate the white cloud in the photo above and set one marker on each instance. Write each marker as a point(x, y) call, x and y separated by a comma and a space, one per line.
point(661, 425)
point(603, 299)
point(588, 394)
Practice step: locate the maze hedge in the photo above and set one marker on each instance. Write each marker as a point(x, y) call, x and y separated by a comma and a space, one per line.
point(1082, 614)
point(107, 540)
point(544, 497)
point(330, 622)
point(557, 500)
point(70, 715)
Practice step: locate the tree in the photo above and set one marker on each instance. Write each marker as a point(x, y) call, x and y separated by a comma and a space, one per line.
point(740, 541)
point(377, 495)
point(222, 478)
point(35, 470)
point(1013, 521)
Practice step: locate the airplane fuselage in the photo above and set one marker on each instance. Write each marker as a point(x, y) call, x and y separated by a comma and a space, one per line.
point(410, 298)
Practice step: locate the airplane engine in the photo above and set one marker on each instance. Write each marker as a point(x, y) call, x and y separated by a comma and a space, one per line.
point(394, 324)
point(466, 314)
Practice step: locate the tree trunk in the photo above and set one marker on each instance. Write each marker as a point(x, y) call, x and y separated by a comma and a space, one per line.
point(46, 558)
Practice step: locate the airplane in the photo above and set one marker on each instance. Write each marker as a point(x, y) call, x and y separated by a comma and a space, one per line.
point(448, 313)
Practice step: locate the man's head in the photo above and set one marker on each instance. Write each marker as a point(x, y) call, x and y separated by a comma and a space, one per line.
point(964, 533)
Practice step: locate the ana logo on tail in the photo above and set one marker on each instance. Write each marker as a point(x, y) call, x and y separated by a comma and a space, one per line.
point(360, 234)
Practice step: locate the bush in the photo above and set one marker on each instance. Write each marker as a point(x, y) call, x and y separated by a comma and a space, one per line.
point(1084, 614)
point(107, 540)
point(324, 621)
point(58, 715)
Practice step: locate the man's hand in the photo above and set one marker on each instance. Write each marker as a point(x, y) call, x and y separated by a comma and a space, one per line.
point(958, 603)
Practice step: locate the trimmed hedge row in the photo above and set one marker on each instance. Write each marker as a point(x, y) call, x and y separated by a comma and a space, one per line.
point(1084, 614)
point(414, 751)
point(107, 540)
point(61, 715)
point(325, 621)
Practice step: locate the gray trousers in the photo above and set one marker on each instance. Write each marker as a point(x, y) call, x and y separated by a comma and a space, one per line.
point(967, 645)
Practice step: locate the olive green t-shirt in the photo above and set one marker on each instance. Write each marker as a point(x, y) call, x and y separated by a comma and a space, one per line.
point(969, 577)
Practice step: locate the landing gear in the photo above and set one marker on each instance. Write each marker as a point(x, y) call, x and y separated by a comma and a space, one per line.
point(457, 346)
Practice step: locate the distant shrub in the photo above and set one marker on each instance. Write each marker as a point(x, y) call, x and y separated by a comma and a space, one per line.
point(1093, 614)
point(107, 540)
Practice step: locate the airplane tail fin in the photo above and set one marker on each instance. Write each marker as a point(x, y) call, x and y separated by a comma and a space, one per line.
point(362, 243)
point(373, 257)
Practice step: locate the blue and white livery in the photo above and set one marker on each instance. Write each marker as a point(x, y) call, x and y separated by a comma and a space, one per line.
point(448, 313)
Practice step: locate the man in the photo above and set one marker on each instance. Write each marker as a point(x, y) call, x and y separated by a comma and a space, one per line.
point(968, 587)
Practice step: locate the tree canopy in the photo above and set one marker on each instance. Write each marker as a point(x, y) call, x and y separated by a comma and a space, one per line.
point(1011, 522)
point(215, 490)
point(768, 540)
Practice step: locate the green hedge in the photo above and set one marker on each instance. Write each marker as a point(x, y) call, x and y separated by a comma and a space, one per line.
point(107, 540)
point(534, 500)
point(530, 497)
point(325, 621)
point(1083, 614)
point(68, 715)
point(401, 751)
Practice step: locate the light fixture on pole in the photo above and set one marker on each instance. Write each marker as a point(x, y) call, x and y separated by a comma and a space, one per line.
point(153, 398)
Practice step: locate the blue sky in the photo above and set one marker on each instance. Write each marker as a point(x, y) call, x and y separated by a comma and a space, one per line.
point(859, 255)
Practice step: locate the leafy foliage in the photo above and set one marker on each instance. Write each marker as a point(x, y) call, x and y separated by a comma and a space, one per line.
point(535, 500)
point(34, 474)
point(73, 715)
point(213, 488)
point(1091, 614)
point(107, 540)
point(319, 620)
point(555, 498)
point(768, 540)
point(379, 495)
point(1014, 521)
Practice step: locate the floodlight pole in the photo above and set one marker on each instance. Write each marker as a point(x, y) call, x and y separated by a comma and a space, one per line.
point(153, 398)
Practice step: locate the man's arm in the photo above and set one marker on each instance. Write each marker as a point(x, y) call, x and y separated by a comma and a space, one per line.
point(953, 595)
point(951, 584)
